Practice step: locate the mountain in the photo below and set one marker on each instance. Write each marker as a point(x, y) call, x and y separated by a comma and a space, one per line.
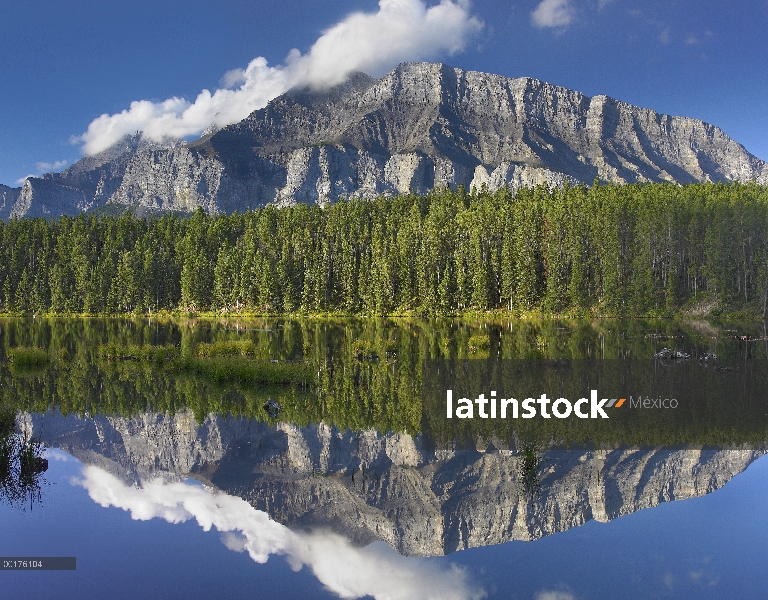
point(368, 486)
point(423, 125)
point(89, 183)
point(8, 197)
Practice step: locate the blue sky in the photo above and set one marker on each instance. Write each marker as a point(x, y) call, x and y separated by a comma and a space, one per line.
point(63, 63)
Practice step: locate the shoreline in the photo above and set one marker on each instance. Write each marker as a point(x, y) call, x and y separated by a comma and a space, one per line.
point(488, 316)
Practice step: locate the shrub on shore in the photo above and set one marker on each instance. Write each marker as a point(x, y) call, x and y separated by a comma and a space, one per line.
point(254, 371)
point(220, 361)
point(28, 356)
point(227, 348)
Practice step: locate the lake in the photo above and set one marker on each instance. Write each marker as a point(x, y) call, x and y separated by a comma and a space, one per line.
point(313, 458)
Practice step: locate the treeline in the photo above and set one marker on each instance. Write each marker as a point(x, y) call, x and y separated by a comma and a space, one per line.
point(612, 250)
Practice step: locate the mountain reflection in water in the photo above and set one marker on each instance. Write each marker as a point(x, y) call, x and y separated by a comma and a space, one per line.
point(349, 571)
point(354, 464)
point(368, 486)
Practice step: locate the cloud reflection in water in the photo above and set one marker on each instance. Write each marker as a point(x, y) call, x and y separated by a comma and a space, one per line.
point(348, 571)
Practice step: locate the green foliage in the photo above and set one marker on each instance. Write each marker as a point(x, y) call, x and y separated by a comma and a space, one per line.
point(7, 421)
point(227, 348)
point(530, 465)
point(391, 348)
point(640, 249)
point(156, 354)
point(28, 357)
point(479, 344)
point(237, 368)
point(219, 361)
point(21, 464)
point(131, 366)
point(363, 350)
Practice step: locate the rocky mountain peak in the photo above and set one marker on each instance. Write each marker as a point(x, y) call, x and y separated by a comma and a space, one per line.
point(420, 126)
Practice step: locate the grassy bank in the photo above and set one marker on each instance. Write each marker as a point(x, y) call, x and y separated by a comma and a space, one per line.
point(28, 357)
point(218, 361)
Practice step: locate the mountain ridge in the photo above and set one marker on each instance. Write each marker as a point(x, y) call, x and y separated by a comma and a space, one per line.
point(421, 502)
point(421, 126)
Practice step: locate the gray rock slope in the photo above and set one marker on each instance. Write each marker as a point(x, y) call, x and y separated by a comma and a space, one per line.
point(370, 486)
point(421, 126)
point(8, 197)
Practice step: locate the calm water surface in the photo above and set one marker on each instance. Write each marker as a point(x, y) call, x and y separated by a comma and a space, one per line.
point(166, 482)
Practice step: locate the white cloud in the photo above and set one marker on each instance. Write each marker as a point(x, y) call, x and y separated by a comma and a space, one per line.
point(21, 180)
point(664, 36)
point(234, 541)
point(668, 579)
point(45, 167)
point(554, 595)
point(401, 30)
point(553, 13)
point(55, 454)
point(348, 571)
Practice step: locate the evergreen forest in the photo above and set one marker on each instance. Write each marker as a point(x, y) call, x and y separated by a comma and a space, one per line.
point(608, 250)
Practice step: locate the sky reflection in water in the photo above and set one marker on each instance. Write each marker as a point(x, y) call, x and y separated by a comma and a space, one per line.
point(175, 538)
point(375, 570)
point(709, 547)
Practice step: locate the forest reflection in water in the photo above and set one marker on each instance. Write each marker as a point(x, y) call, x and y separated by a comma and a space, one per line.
point(360, 373)
point(22, 464)
point(325, 471)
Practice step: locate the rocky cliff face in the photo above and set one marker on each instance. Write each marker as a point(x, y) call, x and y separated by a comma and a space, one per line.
point(421, 126)
point(87, 184)
point(371, 486)
point(8, 197)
